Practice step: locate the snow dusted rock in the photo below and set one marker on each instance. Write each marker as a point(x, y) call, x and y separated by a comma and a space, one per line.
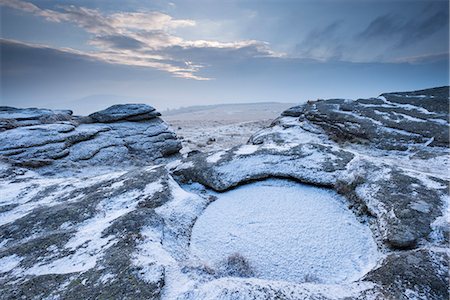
point(11, 117)
point(78, 237)
point(309, 163)
point(126, 234)
point(119, 235)
point(133, 135)
point(405, 203)
point(129, 112)
point(388, 156)
point(399, 173)
point(417, 274)
point(394, 121)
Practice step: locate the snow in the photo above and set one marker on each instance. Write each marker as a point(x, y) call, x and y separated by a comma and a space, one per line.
point(150, 255)
point(439, 121)
point(8, 263)
point(179, 215)
point(106, 278)
point(253, 288)
point(88, 242)
point(421, 206)
point(406, 106)
point(442, 223)
point(246, 149)
point(280, 147)
point(173, 164)
point(215, 157)
point(357, 116)
point(287, 231)
point(24, 193)
point(185, 165)
point(409, 118)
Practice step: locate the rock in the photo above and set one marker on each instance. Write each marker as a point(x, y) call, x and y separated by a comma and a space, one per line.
point(134, 135)
point(393, 125)
point(309, 163)
point(242, 288)
point(392, 169)
point(129, 112)
point(295, 111)
point(87, 213)
point(84, 240)
point(434, 100)
point(111, 235)
point(11, 117)
point(405, 205)
point(418, 274)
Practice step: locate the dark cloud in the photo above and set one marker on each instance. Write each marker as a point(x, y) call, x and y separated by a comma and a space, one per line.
point(214, 55)
point(382, 27)
point(322, 43)
point(20, 58)
point(406, 32)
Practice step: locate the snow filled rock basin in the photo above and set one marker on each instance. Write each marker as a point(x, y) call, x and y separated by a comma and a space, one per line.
point(285, 231)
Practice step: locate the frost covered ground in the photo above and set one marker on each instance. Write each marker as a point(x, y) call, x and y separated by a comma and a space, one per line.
point(286, 231)
point(217, 127)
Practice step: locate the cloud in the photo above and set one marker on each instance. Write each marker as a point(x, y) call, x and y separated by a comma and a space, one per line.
point(144, 39)
point(117, 41)
point(425, 58)
point(322, 43)
point(390, 38)
point(148, 21)
point(405, 32)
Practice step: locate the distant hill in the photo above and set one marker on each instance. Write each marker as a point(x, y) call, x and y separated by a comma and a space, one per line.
point(234, 111)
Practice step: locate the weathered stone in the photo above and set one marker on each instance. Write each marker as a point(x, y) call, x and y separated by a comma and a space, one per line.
point(134, 135)
point(125, 233)
point(418, 274)
point(129, 112)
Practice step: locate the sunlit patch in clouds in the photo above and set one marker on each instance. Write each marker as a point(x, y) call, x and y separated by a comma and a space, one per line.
point(143, 39)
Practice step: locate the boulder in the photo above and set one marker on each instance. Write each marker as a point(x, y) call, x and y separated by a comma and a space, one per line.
point(130, 134)
point(128, 112)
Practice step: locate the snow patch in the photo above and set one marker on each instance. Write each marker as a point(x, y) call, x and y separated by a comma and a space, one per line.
point(215, 157)
point(280, 147)
point(89, 242)
point(286, 231)
point(8, 263)
point(246, 149)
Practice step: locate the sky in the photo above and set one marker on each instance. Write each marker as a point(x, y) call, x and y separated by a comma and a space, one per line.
point(86, 55)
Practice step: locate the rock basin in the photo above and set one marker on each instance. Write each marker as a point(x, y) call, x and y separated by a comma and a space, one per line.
point(283, 230)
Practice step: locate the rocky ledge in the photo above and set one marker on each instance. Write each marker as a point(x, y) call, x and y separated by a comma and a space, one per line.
point(125, 234)
point(129, 134)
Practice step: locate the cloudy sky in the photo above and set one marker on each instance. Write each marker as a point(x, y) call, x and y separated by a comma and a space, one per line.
point(87, 54)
